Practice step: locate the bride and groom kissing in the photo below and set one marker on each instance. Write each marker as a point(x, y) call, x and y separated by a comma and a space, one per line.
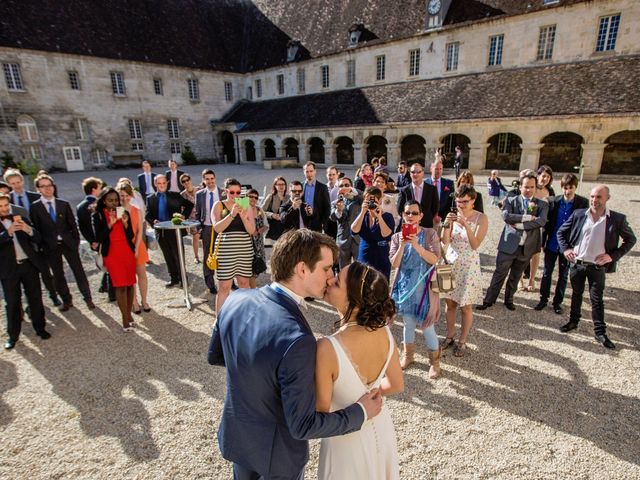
point(284, 388)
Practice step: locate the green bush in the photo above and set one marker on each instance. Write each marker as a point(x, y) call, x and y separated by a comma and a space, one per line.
point(188, 157)
point(7, 160)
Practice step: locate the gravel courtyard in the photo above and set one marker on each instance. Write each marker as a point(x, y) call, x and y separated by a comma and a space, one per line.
point(528, 402)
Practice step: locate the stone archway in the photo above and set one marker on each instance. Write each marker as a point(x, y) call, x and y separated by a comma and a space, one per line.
point(269, 148)
point(376, 147)
point(412, 149)
point(449, 143)
point(250, 150)
point(504, 152)
point(228, 146)
point(316, 149)
point(344, 151)
point(622, 154)
point(291, 148)
point(562, 151)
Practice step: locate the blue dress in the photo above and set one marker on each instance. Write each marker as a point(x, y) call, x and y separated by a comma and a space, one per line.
point(374, 248)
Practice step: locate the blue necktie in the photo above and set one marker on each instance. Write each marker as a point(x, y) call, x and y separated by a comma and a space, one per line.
point(20, 201)
point(162, 207)
point(210, 202)
point(52, 213)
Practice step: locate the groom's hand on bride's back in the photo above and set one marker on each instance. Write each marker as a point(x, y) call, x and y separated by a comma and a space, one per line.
point(372, 402)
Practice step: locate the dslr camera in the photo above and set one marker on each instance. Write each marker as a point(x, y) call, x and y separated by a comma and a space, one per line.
point(372, 205)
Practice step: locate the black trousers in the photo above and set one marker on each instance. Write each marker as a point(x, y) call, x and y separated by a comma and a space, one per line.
point(169, 247)
point(209, 275)
point(72, 255)
point(241, 473)
point(550, 259)
point(579, 274)
point(511, 265)
point(25, 275)
point(48, 281)
point(332, 229)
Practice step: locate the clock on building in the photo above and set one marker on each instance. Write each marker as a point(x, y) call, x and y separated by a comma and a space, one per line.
point(434, 6)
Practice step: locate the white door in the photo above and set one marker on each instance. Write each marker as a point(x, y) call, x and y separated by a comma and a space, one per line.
point(73, 159)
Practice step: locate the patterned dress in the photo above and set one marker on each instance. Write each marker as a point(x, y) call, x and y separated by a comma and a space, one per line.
point(466, 266)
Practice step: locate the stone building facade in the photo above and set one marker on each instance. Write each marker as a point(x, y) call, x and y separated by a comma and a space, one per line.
point(515, 84)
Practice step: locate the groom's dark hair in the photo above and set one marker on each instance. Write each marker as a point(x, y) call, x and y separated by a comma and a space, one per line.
point(296, 246)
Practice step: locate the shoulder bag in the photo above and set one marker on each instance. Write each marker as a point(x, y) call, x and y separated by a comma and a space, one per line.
point(212, 258)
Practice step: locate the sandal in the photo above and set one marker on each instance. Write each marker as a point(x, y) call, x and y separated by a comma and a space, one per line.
point(447, 342)
point(459, 350)
point(531, 288)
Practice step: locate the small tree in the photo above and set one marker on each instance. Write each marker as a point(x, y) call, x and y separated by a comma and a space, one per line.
point(188, 157)
point(7, 160)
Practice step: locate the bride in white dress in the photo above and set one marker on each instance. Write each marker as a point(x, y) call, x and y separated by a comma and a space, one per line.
point(361, 356)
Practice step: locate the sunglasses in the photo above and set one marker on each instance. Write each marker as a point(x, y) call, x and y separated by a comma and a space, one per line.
point(185, 180)
point(255, 197)
point(412, 214)
point(344, 185)
point(296, 191)
point(233, 192)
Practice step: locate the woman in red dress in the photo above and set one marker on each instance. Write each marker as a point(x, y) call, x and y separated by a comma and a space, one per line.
point(113, 231)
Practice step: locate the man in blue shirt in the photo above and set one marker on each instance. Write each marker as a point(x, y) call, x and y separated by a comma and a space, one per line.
point(560, 209)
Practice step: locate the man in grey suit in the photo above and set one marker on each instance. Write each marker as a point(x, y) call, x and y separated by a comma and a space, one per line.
point(524, 216)
point(344, 211)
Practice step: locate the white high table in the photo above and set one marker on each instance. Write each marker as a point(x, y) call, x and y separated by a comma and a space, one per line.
point(168, 225)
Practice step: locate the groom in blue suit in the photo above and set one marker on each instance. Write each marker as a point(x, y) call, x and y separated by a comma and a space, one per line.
point(269, 350)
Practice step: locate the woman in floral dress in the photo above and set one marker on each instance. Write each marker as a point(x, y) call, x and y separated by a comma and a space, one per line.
point(464, 232)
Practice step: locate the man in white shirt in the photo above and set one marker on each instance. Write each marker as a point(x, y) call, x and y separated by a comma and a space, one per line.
point(589, 241)
point(173, 177)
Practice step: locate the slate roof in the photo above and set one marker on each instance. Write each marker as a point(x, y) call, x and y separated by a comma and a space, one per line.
point(223, 35)
point(597, 87)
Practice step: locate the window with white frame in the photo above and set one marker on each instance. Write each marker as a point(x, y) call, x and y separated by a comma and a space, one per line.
point(72, 154)
point(258, 88)
point(324, 73)
point(80, 127)
point(496, 43)
point(157, 86)
point(74, 80)
point(351, 73)
point(12, 76)
point(280, 83)
point(194, 89)
point(117, 83)
point(135, 129)
point(250, 92)
point(453, 50)
point(381, 61)
point(173, 128)
point(27, 129)
point(31, 152)
point(504, 143)
point(414, 62)
point(99, 157)
point(301, 80)
point(546, 40)
point(608, 33)
point(137, 147)
point(228, 91)
point(176, 148)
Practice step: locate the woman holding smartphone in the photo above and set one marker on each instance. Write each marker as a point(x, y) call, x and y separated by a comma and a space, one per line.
point(234, 224)
point(462, 235)
point(413, 252)
point(114, 234)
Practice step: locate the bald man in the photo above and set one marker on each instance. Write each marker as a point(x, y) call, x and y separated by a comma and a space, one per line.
point(589, 240)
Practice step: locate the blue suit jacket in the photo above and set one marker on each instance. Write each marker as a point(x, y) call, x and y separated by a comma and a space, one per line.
point(512, 214)
point(270, 408)
point(447, 188)
point(201, 204)
point(142, 185)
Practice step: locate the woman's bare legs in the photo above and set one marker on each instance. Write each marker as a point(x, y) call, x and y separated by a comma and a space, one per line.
point(143, 285)
point(451, 317)
point(533, 267)
point(224, 287)
point(467, 322)
point(196, 246)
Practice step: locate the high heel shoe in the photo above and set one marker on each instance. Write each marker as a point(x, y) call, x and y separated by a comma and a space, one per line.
point(137, 311)
point(146, 309)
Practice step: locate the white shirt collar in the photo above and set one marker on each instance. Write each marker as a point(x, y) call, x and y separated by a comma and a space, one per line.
point(294, 296)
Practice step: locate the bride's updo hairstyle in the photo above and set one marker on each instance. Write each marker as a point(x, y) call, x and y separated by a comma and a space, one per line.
point(368, 295)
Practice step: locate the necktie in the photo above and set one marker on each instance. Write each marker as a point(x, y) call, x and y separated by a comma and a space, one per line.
point(52, 213)
point(20, 201)
point(418, 193)
point(210, 205)
point(148, 182)
point(162, 207)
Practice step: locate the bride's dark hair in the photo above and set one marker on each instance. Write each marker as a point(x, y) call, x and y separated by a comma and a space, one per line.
point(368, 292)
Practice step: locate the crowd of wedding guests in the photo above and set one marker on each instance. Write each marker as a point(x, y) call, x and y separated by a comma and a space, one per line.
point(418, 230)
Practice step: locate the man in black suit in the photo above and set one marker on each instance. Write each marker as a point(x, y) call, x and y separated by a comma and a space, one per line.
point(146, 179)
point(173, 177)
point(445, 190)
point(19, 266)
point(560, 209)
point(161, 206)
point(423, 193)
point(589, 241)
point(205, 199)
point(15, 209)
point(316, 196)
point(294, 213)
point(54, 219)
point(19, 195)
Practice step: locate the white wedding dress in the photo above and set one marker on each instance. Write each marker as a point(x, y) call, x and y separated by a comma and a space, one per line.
point(370, 453)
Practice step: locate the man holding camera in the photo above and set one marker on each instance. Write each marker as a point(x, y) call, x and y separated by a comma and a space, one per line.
point(295, 213)
point(344, 211)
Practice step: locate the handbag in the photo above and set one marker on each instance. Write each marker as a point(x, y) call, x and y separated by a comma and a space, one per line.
point(100, 263)
point(258, 265)
point(212, 258)
point(443, 281)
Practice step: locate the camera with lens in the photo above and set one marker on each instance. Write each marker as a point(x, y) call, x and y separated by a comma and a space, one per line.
point(515, 184)
point(341, 198)
point(372, 205)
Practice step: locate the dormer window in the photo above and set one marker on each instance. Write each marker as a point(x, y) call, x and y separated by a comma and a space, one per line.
point(355, 33)
point(293, 46)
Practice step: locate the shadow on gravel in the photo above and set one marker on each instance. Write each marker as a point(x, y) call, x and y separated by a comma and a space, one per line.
point(8, 380)
point(107, 375)
point(566, 402)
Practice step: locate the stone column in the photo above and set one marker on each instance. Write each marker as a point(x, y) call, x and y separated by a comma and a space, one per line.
point(330, 153)
point(393, 155)
point(592, 155)
point(530, 157)
point(259, 151)
point(281, 151)
point(242, 152)
point(477, 156)
point(303, 153)
point(359, 154)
